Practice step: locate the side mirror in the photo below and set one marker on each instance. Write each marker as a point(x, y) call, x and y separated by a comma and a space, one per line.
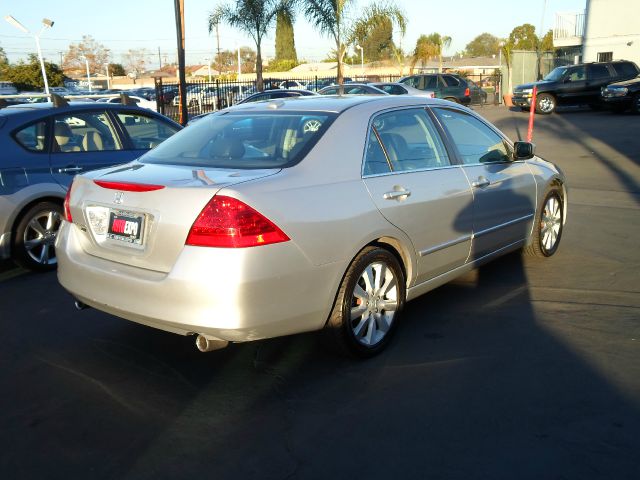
point(523, 150)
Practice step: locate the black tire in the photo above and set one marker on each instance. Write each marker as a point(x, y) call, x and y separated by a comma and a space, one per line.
point(540, 246)
point(545, 103)
point(635, 103)
point(452, 99)
point(340, 329)
point(34, 236)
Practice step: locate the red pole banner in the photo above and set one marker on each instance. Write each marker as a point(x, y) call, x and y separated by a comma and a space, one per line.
point(532, 112)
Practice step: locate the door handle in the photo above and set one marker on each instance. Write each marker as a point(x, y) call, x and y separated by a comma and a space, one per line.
point(70, 169)
point(481, 183)
point(396, 195)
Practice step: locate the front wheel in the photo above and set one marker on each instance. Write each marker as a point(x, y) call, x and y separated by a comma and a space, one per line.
point(35, 235)
point(545, 104)
point(547, 230)
point(366, 310)
point(635, 103)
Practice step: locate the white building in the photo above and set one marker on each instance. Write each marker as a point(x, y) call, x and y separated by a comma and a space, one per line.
point(605, 30)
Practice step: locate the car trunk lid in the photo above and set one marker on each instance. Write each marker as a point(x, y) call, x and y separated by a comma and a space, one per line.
point(141, 214)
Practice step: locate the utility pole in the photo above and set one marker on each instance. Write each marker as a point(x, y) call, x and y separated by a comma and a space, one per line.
point(218, 47)
point(159, 60)
point(179, 12)
point(60, 53)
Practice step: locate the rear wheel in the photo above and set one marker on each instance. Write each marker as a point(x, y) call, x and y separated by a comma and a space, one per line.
point(370, 299)
point(547, 230)
point(545, 103)
point(452, 99)
point(35, 235)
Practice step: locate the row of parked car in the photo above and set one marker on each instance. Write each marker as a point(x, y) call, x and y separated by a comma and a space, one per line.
point(615, 85)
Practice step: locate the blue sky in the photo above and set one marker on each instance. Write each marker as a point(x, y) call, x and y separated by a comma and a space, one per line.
point(121, 25)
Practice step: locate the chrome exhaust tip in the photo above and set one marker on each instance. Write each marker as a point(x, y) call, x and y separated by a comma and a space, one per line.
point(208, 344)
point(80, 306)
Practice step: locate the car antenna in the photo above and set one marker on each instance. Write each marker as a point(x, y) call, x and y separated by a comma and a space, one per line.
point(58, 101)
point(126, 99)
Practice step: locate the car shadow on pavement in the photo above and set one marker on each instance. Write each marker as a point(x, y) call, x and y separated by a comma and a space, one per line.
point(481, 381)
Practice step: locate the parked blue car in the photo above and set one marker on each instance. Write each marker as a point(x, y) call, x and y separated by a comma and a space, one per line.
point(42, 147)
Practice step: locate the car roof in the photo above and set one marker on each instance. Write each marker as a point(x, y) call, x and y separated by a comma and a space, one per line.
point(333, 103)
point(48, 107)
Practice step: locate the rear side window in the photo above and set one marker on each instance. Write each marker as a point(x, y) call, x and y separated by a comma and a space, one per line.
point(431, 83)
point(84, 132)
point(599, 72)
point(144, 131)
point(409, 142)
point(33, 137)
point(450, 80)
point(243, 141)
point(475, 141)
point(625, 69)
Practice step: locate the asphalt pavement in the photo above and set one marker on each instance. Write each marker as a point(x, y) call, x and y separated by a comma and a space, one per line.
point(524, 369)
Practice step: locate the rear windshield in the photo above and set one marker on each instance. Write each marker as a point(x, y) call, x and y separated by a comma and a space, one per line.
point(245, 141)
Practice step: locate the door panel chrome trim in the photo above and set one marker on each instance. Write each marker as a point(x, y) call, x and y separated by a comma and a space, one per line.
point(502, 225)
point(444, 245)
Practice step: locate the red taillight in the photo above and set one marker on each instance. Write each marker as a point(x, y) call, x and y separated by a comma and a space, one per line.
point(467, 92)
point(127, 186)
point(229, 223)
point(67, 210)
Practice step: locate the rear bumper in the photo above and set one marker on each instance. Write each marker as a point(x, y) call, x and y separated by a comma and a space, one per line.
point(230, 294)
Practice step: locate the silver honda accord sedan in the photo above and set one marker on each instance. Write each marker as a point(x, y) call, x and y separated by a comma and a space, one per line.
point(316, 213)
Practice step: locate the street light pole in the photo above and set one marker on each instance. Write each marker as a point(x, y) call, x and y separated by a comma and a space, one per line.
point(86, 62)
point(358, 47)
point(106, 67)
point(46, 24)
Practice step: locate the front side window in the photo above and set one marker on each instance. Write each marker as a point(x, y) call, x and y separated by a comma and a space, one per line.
point(475, 141)
point(144, 131)
point(575, 74)
point(412, 82)
point(408, 141)
point(33, 137)
point(84, 132)
point(243, 141)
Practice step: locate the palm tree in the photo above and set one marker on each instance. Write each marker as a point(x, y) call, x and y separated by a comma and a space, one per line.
point(332, 18)
point(255, 18)
point(429, 46)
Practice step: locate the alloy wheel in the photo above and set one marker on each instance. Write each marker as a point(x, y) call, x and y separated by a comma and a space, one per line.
point(40, 235)
point(550, 224)
point(546, 105)
point(374, 302)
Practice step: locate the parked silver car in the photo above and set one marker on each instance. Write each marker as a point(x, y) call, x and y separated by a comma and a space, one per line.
point(274, 218)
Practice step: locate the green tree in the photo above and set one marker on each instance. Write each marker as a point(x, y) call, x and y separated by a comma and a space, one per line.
point(228, 60)
point(117, 70)
point(523, 37)
point(484, 45)
point(3, 57)
point(336, 19)
point(96, 53)
point(285, 41)
point(376, 40)
point(546, 44)
point(255, 18)
point(429, 46)
point(28, 75)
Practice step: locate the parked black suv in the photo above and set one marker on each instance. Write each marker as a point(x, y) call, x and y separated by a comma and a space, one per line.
point(573, 85)
point(444, 85)
point(621, 96)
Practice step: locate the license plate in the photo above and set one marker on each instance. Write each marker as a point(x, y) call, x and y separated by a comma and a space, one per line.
point(126, 227)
